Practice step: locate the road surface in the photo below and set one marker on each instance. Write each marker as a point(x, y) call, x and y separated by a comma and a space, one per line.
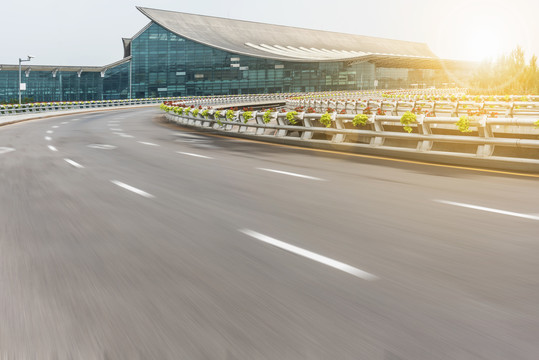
point(122, 237)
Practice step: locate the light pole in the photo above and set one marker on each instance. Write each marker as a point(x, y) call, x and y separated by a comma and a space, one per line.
point(20, 77)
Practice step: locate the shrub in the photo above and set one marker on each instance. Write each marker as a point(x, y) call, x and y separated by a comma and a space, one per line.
point(360, 120)
point(267, 116)
point(463, 124)
point(406, 119)
point(247, 115)
point(205, 113)
point(291, 117)
point(326, 119)
point(230, 115)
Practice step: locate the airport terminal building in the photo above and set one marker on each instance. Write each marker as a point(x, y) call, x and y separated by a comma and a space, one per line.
point(179, 54)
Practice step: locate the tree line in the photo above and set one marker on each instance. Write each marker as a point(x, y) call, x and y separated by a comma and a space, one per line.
point(509, 74)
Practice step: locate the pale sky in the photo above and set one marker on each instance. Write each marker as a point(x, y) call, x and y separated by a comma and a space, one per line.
point(74, 32)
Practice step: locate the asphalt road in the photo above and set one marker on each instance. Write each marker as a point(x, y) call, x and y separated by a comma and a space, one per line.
point(122, 237)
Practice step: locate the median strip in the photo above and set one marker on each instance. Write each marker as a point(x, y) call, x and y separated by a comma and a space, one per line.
point(310, 255)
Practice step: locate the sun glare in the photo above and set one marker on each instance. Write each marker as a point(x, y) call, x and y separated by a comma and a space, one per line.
point(471, 31)
point(483, 42)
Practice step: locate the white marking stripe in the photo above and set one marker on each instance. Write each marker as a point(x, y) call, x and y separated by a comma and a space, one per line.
point(4, 150)
point(116, 129)
point(48, 138)
point(503, 212)
point(75, 164)
point(131, 188)
point(291, 174)
point(147, 143)
point(65, 122)
point(102, 146)
point(310, 255)
point(55, 127)
point(195, 155)
point(49, 131)
point(52, 148)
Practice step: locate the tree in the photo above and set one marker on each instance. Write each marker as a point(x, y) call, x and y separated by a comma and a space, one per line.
point(509, 74)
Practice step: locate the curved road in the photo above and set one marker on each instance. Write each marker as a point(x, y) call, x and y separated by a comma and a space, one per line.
point(123, 237)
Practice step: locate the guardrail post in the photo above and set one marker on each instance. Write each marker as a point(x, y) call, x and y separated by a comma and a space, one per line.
point(307, 135)
point(485, 130)
point(424, 129)
point(339, 124)
point(242, 129)
point(378, 127)
point(280, 121)
point(260, 120)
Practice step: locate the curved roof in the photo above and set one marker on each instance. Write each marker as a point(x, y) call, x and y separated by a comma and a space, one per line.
point(284, 43)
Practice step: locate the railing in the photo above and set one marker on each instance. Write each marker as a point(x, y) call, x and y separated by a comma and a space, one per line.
point(433, 108)
point(76, 105)
point(489, 139)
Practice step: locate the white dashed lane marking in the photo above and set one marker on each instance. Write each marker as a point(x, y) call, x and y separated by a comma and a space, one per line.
point(291, 174)
point(48, 138)
point(102, 146)
point(52, 148)
point(132, 189)
point(195, 155)
point(75, 164)
point(4, 150)
point(147, 143)
point(482, 208)
point(310, 255)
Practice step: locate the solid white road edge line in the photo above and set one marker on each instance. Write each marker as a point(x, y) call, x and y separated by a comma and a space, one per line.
point(292, 174)
point(52, 148)
point(310, 255)
point(131, 188)
point(75, 164)
point(482, 208)
point(147, 143)
point(195, 155)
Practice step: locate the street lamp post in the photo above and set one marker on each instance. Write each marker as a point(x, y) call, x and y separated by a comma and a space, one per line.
point(20, 75)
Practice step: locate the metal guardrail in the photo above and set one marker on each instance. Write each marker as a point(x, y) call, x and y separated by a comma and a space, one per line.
point(435, 108)
point(430, 135)
point(75, 105)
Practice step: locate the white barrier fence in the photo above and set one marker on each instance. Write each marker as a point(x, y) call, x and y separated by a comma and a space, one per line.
point(488, 139)
point(433, 108)
point(15, 109)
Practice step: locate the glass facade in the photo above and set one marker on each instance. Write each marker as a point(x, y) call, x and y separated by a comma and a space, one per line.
point(164, 64)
